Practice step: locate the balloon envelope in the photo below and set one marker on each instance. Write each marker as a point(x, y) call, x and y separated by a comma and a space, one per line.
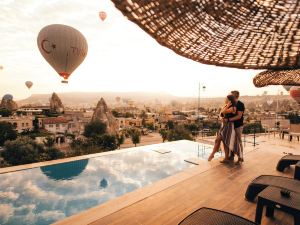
point(287, 87)
point(295, 93)
point(102, 15)
point(8, 97)
point(63, 47)
point(28, 84)
point(1, 67)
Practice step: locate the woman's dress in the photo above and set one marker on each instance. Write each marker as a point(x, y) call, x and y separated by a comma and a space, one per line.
point(227, 133)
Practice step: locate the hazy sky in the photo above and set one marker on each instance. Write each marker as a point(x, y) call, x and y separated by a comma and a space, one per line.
point(121, 56)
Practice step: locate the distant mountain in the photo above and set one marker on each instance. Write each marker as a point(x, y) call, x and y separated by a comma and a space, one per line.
point(91, 98)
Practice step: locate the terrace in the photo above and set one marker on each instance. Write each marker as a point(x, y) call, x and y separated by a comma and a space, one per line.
point(210, 184)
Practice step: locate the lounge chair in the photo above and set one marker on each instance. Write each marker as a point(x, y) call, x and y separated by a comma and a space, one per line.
point(263, 181)
point(294, 131)
point(208, 216)
point(286, 161)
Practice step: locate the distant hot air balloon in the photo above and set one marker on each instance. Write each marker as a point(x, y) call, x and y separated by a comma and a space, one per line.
point(63, 47)
point(102, 15)
point(1, 67)
point(28, 84)
point(295, 93)
point(8, 97)
point(103, 183)
point(118, 99)
point(287, 87)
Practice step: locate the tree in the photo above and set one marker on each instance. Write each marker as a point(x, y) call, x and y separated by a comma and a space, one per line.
point(135, 135)
point(49, 142)
point(94, 129)
point(163, 134)
point(150, 126)
point(179, 133)
point(21, 151)
point(5, 112)
point(120, 139)
point(7, 132)
point(170, 124)
point(115, 113)
point(193, 128)
point(105, 142)
point(25, 150)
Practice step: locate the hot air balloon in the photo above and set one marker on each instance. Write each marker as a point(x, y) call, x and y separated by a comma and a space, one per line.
point(287, 87)
point(295, 93)
point(28, 84)
point(63, 47)
point(102, 15)
point(8, 97)
point(1, 67)
point(103, 183)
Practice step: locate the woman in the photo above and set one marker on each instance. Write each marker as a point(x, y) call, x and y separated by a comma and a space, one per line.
point(226, 132)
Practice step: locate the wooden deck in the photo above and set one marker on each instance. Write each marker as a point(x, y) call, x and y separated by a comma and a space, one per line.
point(222, 187)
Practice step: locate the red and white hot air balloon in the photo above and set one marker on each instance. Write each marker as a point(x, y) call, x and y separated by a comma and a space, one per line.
point(295, 93)
point(63, 47)
point(102, 15)
point(28, 84)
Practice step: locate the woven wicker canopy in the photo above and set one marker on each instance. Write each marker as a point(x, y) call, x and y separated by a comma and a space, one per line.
point(257, 34)
point(277, 77)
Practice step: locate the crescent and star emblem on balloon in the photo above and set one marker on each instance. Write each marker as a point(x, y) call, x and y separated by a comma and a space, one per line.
point(46, 49)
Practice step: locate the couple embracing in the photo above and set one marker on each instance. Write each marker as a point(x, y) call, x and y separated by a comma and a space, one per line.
point(230, 133)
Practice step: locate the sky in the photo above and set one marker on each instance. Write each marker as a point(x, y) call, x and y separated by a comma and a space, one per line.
point(121, 56)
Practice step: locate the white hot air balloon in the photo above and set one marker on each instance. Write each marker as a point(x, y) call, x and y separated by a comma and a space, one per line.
point(63, 47)
point(28, 84)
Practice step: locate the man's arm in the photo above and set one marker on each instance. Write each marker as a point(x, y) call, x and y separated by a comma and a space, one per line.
point(237, 117)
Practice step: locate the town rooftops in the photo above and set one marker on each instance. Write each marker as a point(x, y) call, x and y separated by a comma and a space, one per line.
point(55, 120)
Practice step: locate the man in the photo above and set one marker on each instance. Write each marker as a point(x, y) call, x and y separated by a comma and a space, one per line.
point(238, 121)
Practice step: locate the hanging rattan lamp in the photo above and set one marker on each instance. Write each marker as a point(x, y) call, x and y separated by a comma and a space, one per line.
point(277, 77)
point(256, 34)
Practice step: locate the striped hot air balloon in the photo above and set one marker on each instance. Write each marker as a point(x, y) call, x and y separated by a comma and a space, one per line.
point(63, 47)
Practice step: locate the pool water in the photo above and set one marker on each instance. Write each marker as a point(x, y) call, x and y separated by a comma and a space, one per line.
point(47, 194)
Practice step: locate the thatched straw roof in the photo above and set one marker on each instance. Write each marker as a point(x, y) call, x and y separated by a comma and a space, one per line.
point(277, 77)
point(257, 34)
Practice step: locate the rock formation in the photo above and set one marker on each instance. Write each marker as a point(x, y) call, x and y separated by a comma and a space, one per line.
point(56, 104)
point(9, 104)
point(103, 114)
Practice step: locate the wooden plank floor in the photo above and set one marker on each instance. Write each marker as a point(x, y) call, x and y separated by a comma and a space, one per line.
point(222, 187)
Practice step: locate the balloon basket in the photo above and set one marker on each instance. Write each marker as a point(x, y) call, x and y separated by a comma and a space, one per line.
point(64, 81)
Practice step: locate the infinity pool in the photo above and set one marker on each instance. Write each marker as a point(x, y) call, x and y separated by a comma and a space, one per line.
point(47, 194)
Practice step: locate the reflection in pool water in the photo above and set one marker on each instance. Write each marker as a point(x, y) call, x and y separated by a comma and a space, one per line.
point(65, 171)
point(48, 194)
